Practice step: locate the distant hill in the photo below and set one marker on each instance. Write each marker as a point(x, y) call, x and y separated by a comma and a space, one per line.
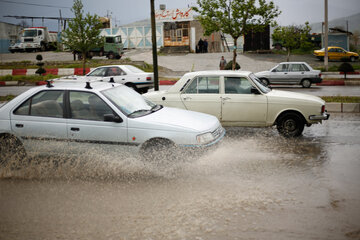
point(353, 23)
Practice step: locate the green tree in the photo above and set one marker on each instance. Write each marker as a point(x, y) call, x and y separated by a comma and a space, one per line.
point(293, 37)
point(235, 17)
point(83, 33)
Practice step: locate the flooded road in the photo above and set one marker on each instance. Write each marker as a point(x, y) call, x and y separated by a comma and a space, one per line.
point(254, 185)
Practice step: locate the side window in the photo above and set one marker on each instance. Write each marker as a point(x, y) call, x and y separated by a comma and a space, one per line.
point(237, 85)
point(304, 67)
point(282, 68)
point(88, 106)
point(332, 50)
point(204, 85)
point(296, 68)
point(43, 104)
point(114, 71)
point(100, 72)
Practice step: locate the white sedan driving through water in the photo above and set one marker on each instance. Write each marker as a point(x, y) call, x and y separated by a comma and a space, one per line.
point(238, 98)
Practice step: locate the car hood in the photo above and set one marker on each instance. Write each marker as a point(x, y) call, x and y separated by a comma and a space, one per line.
point(175, 119)
point(295, 96)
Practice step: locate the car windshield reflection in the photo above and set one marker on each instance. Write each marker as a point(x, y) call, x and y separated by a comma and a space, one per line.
point(130, 102)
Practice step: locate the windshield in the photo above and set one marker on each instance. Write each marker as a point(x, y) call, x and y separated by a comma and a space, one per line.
point(30, 33)
point(259, 84)
point(131, 103)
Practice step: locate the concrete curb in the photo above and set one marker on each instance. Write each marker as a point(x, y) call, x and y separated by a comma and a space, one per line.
point(343, 107)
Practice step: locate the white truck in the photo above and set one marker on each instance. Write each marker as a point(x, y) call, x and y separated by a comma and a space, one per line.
point(35, 39)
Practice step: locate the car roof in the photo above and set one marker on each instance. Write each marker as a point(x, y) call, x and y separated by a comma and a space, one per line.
point(95, 85)
point(119, 65)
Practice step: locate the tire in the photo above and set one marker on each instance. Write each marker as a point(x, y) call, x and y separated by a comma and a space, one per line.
point(43, 47)
point(352, 59)
point(321, 58)
point(306, 83)
point(290, 125)
point(265, 81)
point(12, 151)
point(158, 152)
point(111, 55)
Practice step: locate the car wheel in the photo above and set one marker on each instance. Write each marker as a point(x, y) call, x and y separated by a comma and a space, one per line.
point(111, 56)
point(290, 125)
point(306, 83)
point(158, 152)
point(264, 81)
point(352, 59)
point(12, 151)
point(321, 58)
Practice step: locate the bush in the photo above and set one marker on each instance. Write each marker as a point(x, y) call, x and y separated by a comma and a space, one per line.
point(346, 67)
point(229, 66)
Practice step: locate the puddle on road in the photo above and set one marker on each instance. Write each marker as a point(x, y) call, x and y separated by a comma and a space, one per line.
point(255, 184)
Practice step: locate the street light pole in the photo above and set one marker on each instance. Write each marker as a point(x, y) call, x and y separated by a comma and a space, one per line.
point(326, 62)
point(154, 48)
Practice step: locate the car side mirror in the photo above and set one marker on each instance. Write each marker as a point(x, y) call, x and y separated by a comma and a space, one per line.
point(254, 91)
point(112, 118)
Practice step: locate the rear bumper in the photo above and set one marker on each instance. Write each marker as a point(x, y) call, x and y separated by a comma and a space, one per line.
point(144, 84)
point(324, 116)
point(316, 80)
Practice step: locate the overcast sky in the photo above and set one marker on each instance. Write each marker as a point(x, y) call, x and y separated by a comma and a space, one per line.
point(127, 11)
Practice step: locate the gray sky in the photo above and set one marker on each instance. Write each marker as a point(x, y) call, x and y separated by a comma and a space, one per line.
point(127, 11)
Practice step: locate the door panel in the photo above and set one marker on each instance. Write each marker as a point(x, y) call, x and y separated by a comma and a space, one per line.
point(203, 95)
point(239, 106)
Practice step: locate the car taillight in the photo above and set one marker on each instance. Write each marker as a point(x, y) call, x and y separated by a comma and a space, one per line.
point(322, 108)
point(319, 74)
point(148, 78)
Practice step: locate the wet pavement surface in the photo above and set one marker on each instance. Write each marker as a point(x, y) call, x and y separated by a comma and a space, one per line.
point(254, 185)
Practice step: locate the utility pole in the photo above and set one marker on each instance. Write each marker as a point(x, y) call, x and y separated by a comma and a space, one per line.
point(154, 48)
point(326, 62)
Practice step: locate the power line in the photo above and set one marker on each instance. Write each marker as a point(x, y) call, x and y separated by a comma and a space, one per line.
point(34, 4)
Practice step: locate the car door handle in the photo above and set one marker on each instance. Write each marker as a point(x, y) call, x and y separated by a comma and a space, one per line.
point(226, 98)
point(187, 98)
point(285, 73)
point(75, 129)
point(19, 125)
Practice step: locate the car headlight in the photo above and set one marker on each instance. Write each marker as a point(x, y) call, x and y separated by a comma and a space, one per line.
point(204, 138)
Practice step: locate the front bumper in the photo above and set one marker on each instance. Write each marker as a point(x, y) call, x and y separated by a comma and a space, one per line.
point(324, 116)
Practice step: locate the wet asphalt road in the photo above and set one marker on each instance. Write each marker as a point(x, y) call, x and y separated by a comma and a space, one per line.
point(254, 185)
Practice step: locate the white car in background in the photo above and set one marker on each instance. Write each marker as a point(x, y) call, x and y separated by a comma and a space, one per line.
point(83, 116)
point(128, 75)
point(238, 98)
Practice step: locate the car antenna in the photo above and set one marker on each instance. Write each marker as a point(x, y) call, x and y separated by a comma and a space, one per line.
point(88, 85)
point(48, 84)
point(111, 80)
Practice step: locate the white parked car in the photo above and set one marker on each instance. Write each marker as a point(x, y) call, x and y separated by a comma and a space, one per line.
point(129, 75)
point(237, 98)
point(295, 73)
point(50, 119)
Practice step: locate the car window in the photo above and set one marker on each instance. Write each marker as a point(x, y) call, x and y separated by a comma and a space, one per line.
point(296, 68)
point(332, 50)
point(237, 85)
point(204, 85)
point(88, 106)
point(304, 67)
point(282, 68)
point(99, 72)
point(43, 104)
point(114, 71)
